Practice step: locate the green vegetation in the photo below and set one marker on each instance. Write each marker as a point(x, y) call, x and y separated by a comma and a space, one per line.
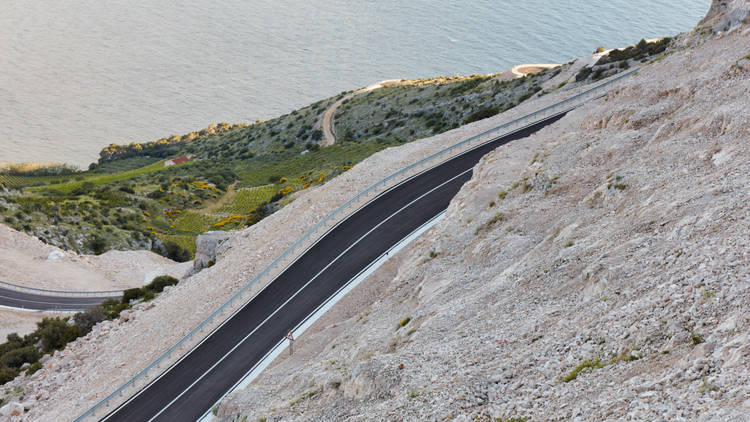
point(247, 200)
point(416, 109)
point(640, 51)
point(403, 322)
point(589, 365)
point(235, 175)
point(586, 365)
point(150, 290)
point(618, 60)
point(615, 182)
point(696, 338)
point(54, 334)
point(497, 218)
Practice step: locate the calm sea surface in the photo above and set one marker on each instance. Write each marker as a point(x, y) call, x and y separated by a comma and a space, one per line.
point(77, 75)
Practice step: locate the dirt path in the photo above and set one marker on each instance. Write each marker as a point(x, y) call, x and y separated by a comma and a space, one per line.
point(327, 122)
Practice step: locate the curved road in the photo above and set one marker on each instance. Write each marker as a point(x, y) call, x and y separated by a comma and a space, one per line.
point(195, 383)
point(37, 302)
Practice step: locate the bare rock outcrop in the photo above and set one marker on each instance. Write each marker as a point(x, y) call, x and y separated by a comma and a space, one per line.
point(207, 246)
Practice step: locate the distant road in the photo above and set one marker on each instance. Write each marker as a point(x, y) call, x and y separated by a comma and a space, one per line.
point(37, 302)
point(188, 389)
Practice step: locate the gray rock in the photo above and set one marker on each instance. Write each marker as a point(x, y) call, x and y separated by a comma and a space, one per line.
point(744, 64)
point(206, 248)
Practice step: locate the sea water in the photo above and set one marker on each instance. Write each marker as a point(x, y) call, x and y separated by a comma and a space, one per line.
point(76, 75)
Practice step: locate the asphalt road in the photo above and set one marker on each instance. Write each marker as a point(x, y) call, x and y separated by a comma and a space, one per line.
point(37, 302)
point(191, 386)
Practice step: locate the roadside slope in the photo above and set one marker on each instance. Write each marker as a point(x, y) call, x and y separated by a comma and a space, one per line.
point(598, 270)
point(103, 360)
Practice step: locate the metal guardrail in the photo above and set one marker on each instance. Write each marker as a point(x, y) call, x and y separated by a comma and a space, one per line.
point(331, 220)
point(47, 292)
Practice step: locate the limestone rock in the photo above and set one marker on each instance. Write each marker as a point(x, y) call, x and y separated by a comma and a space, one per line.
point(206, 247)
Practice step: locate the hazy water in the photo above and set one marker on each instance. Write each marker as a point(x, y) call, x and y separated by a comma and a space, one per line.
point(77, 75)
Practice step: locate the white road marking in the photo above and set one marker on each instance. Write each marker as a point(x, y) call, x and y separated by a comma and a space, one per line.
point(322, 309)
point(320, 238)
point(302, 288)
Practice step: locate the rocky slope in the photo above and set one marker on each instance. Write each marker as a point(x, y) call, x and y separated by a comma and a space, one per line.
point(94, 365)
point(617, 237)
point(598, 270)
point(26, 261)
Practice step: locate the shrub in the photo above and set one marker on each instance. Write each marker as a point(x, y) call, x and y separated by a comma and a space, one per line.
point(583, 74)
point(55, 333)
point(84, 189)
point(16, 358)
point(159, 283)
point(176, 252)
point(316, 135)
point(86, 320)
point(7, 376)
point(586, 365)
point(33, 368)
point(132, 294)
point(481, 114)
point(696, 338)
point(113, 307)
point(98, 245)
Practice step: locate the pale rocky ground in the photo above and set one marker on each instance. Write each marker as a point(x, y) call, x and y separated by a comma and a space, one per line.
point(630, 242)
point(27, 261)
point(21, 322)
point(583, 264)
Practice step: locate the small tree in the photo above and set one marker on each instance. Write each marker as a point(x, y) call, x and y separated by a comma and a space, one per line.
point(55, 333)
point(176, 252)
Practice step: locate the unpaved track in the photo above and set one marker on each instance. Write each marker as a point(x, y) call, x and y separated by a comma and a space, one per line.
point(327, 122)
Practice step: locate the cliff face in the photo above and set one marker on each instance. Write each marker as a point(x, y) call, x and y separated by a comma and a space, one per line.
point(598, 270)
point(726, 15)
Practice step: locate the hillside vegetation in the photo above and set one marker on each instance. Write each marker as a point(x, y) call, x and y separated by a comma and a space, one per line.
point(237, 174)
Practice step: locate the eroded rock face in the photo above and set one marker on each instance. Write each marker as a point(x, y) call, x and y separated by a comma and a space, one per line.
point(207, 247)
point(726, 15)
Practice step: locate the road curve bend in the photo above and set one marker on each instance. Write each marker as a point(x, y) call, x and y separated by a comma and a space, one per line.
point(187, 389)
point(16, 299)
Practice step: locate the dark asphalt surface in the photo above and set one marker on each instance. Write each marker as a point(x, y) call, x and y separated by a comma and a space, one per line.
point(38, 302)
point(195, 383)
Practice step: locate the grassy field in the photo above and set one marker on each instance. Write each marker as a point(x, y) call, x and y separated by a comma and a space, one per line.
point(194, 223)
point(184, 241)
point(103, 179)
point(247, 200)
